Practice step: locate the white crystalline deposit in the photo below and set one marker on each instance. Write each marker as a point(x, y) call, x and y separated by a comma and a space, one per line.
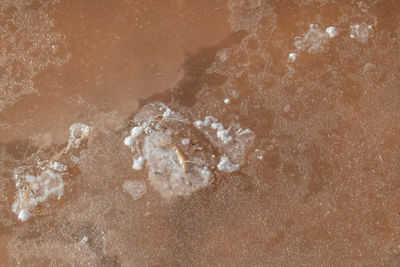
point(134, 188)
point(361, 32)
point(170, 172)
point(79, 132)
point(234, 141)
point(33, 190)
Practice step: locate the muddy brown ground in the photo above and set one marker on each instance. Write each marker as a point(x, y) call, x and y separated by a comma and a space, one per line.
point(319, 186)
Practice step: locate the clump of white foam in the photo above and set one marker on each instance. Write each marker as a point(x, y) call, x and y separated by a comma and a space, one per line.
point(136, 189)
point(226, 165)
point(292, 57)
point(332, 31)
point(33, 190)
point(79, 132)
point(138, 163)
point(233, 141)
point(361, 32)
point(170, 171)
point(221, 133)
point(259, 154)
point(185, 141)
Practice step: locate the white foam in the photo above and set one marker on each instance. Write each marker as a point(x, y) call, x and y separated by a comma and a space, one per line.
point(129, 140)
point(167, 113)
point(185, 141)
point(226, 165)
point(233, 141)
point(259, 154)
point(221, 133)
point(332, 31)
point(136, 131)
point(33, 190)
point(79, 132)
point(84, 240)
point(292, 57)
point(169, 172)
point(227, 101)
point(138, 163)
point(24, 215)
